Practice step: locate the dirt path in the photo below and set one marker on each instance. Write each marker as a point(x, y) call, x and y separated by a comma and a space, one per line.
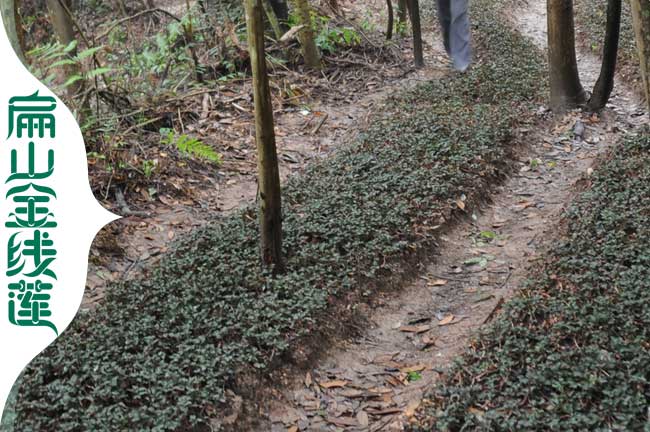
point(378, 381)
point(305, 132)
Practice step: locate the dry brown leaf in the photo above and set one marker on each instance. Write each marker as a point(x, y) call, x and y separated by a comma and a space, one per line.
point(333, 384)
point(415, 329)
point(308, 380)
point(342, 421)
point(385, 411)
point(475, 411)
point(415, 368)
point(351, 393)
point(293, 428)
point(362, 418)
point(412, 407)
point(438, 282)
point(446, 320)
point(460, 204)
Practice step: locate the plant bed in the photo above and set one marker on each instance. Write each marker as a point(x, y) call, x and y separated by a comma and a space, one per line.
point(571, 352)
point(164, 353)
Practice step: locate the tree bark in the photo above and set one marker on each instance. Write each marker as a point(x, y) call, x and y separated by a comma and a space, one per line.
point(414, 12)
point(270, 210)
point(63, 27)
point(11, 19)
point(566, 90)
point(390, 24)
point(306, 36)
point(401, 11)
point(641, 20)
point(273, 19)
point(605, 84)
point(281, 12)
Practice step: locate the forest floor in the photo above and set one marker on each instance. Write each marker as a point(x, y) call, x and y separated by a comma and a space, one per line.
point(326, 110)
point(360, 220)
point(378, 381)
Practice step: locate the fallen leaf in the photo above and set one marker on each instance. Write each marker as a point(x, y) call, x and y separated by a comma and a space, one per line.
point(342, 421)
point(351, 393)
point(362, 418)
point(479, 261)
point(460, 204)
point(411, 408)
point(438, 282)
point(416, 368)
point(333, 384)
point(415, 329)
point(477, 412)
point(385, 411)
point(446, 320)
point(293, 428)
point(308, 380)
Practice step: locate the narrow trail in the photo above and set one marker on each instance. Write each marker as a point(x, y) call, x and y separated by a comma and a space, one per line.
point(136, 243)
point(376, 382)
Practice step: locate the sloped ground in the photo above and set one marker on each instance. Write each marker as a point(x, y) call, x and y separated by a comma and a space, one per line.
point(571, 351)
point(176, 351)
point(377, 381)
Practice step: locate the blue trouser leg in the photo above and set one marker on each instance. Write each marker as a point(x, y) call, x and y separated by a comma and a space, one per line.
point(454, 20)
point(444, 16)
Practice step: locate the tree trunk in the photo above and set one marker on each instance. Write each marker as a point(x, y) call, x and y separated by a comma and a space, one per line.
point(390, 24)
point(273, 19)
point(11, 19)
point(605, 84)
point(270, 211)
point(414, 13)
point(401, 11)
point(566, 90)
point(306, 35)
point(281, 12)
point(62, 23)
point(641, 19)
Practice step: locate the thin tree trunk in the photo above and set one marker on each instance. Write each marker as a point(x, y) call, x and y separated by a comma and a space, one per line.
point(414, 13)
point(390, 24)
point(281, 12)
point(306, 35)
point(605, 84)
point(63, 27)
point(273, 19)
point(270, 216)
point(11, 20)
point(401, 11)
point(566, 90)
point(641, 20)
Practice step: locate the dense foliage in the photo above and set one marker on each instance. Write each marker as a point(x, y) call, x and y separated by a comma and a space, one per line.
point(159, 353)
point(573, 351)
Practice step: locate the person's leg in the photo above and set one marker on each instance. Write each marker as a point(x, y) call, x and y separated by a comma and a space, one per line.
point(459, 34)
point(444, 16)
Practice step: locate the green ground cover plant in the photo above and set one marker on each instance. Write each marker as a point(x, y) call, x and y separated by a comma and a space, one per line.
point(159, 354)
point(572, 351)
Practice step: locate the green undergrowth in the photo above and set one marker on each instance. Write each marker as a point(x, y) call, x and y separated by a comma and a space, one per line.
point(159, 354)
point(572, 352)
point(591, 17)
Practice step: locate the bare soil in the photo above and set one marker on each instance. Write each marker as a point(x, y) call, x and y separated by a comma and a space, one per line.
point(376, 382)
